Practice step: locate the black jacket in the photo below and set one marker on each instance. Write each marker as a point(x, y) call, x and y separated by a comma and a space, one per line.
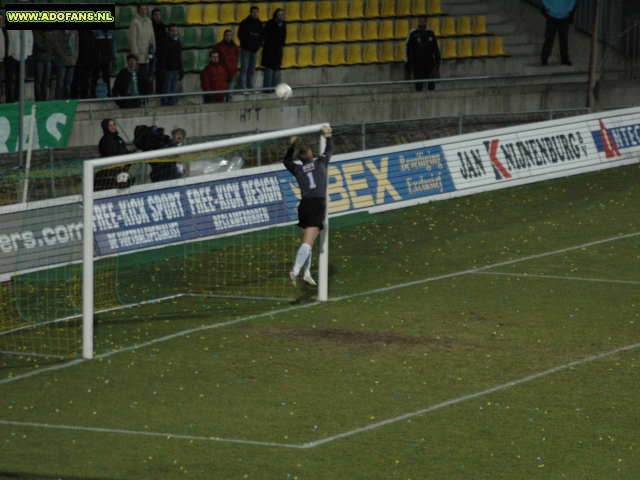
point(111, 144)
point(251, 34)
point(422, 48)
point(275, 36)
point(121, 88)
point(170, 56)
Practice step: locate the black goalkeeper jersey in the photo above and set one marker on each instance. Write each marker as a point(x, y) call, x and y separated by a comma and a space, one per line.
point(312, 176)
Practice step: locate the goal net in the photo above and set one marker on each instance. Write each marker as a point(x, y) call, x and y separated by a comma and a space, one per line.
point(212, 244)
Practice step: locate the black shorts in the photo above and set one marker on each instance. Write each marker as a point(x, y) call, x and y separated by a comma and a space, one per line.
point(311, 213)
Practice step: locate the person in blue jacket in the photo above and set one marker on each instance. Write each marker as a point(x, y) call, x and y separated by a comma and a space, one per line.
point(559, 14)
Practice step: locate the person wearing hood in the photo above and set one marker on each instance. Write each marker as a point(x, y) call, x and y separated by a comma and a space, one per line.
point(111, 144)
point(275, 37)
point(142, 43)
point(251, 35)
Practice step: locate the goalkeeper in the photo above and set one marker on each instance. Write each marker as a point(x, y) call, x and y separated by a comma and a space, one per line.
point(312, 179)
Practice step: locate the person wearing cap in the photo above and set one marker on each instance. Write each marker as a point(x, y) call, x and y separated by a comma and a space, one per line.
point(161, 171)
point(129, 83)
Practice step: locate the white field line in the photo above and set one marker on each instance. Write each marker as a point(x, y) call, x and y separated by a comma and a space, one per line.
point(558, 277)
point(335, 299)
point(342, 435)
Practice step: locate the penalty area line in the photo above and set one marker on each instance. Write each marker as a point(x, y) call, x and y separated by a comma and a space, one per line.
point(558, 277)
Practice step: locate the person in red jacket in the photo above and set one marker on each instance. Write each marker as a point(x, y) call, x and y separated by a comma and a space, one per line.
point(228, 51)
point(214, 78)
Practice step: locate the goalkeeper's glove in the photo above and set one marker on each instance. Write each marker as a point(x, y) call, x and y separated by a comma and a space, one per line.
point(326, 131)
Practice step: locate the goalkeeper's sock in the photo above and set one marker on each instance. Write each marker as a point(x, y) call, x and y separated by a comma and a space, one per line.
point(307, 264)
point(301, 257)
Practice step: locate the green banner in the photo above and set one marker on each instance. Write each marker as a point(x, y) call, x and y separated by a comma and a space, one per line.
point(54, 123)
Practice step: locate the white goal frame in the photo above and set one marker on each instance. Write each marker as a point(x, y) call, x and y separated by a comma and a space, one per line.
point(88, 204)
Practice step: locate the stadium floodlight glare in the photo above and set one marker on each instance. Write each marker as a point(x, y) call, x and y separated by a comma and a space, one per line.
point(180, 153)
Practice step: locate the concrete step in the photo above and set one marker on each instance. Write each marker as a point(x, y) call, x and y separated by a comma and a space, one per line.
point(516, 39)
point(521, 49)
point(501, 29)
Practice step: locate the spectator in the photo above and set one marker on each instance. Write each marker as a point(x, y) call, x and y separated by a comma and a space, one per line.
point(3, 53)
point(559, 14)
point(228, 51)
point(129, 83)
point(87, 68)
point(42, 55)
point(142, 43)
point(160, 33)
point(106, 48)
point(65, 56)
point(170, 65)
point(214, 78)
point(12, 61)
point(251, 35)
point(161, 171)
point(275, 36)
point(423, 54)
point(111, 144)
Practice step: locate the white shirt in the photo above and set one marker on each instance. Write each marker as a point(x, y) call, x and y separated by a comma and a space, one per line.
point(14, 43)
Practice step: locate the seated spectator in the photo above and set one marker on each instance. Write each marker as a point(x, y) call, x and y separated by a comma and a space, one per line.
point(214, 78)
point(161, 171)
point(129, 83)
point(229, 52)
point(111, 145)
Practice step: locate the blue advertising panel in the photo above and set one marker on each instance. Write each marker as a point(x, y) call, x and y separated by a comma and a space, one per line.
point(381, 179)
point(187, 212)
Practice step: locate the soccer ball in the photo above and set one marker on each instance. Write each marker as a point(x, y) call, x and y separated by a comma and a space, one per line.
point(283, 91)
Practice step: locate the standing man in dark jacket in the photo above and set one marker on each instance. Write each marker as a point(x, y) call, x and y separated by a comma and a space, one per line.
point(106, 48)
point(229, 52)
point(170, 65)
point(559, 15)
point(251, 35)
point(275, 36)
point(42, 55)
point(423, 54)
point(87, 69)
point(129, 83)
point(160, 33)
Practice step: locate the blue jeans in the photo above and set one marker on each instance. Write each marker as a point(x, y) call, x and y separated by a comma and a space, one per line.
point(41, 81)
point(169, 85)
point(247, 68)
point(64, 77)
point(271, 78)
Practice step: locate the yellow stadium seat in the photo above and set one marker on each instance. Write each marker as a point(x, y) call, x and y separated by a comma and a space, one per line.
point(309, 11)
point(497, 47)
point(354, 55)
point(370, 53)
point(435, 7)
point(404, 8)
point(387, 52)
point(357, 9)
point(342, 10)
point(419, 7)
point(386, 30)
point(354, 33)
point(259, 59)
point(482, 47)
point(289, 57)
point(388, 8)
point(292, 12)
point(466, 51)
point(210, 15)
point(306, 34)
point(370, 30)
point(324, 10)
point(433, 23)
point(450, 48)
point(292, 33)
point(273, 7)
point(323, 33)
point(479, 25)
point(263, 13)
point(372, 9)
point(228, 13)
point(339, 33)
point(242, 11)
point(402, 28)
point(401, 52)
point(321, 57)
point(194, 15)
point(337, 55)
point(305, 56)
point(449, 27)
point(464, 26)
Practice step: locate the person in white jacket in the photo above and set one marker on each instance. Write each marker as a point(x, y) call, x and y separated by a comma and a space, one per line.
point(142, 42)
point(13, 61)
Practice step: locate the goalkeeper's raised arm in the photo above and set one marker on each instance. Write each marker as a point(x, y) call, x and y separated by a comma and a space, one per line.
point(312, 180)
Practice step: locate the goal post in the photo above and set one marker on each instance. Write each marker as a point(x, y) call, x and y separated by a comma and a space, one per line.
point(183, 191)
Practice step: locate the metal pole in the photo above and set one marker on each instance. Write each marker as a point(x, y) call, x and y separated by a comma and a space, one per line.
point(21, 99)
point(460, 123)
point(323, 257)
point(87, 262)
point(258, 152)
point(25, 187)
point(363, 133)
point(591, 99)
point(53, 179)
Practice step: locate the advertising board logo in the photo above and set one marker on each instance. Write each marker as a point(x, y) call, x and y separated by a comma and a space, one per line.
point(612, 140)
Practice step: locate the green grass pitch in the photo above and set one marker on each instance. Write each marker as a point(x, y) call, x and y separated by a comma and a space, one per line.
point(492, 336)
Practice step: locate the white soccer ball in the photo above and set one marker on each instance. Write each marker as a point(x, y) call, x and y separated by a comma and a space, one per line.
point(283, 91)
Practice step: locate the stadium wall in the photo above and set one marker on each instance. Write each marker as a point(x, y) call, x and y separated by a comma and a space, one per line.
point(154, 215)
